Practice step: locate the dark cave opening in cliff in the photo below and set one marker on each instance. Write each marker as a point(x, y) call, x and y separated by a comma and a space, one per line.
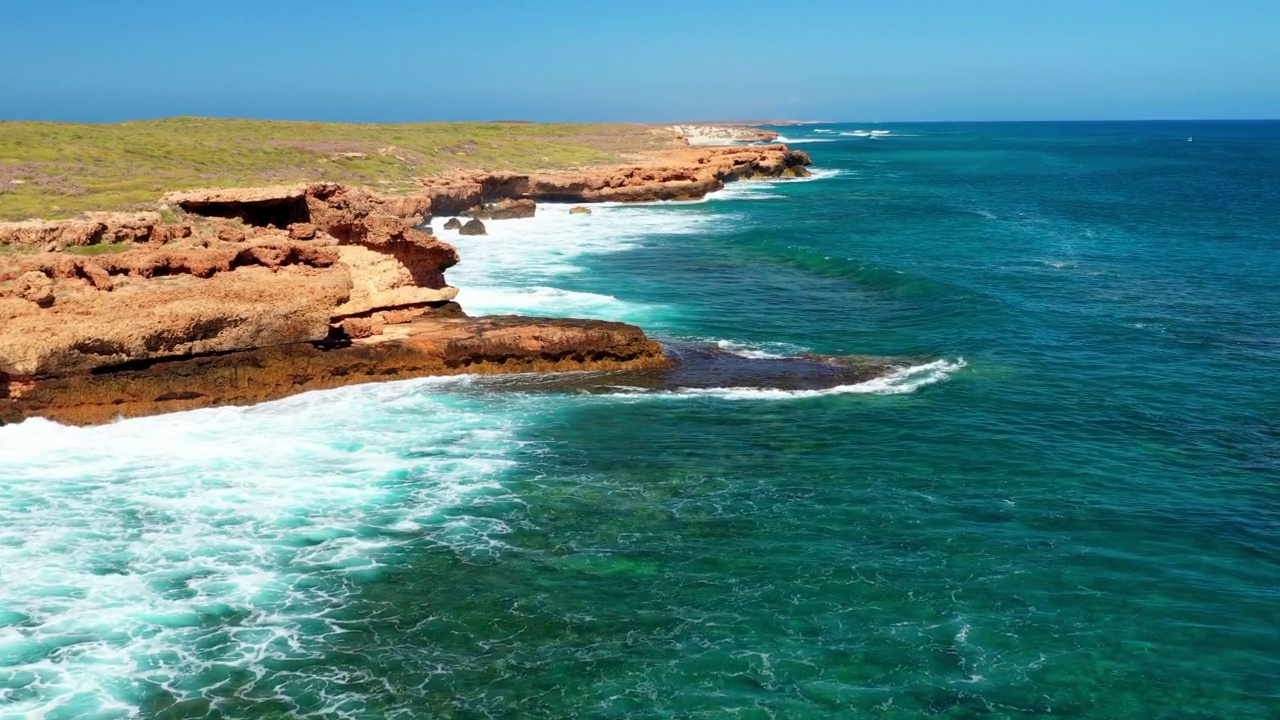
point(280, 212)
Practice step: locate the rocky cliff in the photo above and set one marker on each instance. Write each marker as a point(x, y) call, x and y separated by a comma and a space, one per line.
point(247, 269)
point(255, 293)
point(674, 175)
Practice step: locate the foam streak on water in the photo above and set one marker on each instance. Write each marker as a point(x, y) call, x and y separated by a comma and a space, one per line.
point(757, 351)
point(799, 141)
point(904, 380)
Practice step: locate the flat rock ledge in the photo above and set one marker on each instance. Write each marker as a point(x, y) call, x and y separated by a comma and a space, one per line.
point(429, 346)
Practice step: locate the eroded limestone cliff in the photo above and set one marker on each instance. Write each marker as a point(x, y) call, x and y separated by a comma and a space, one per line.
point(247, 269)
point(252, 294)
point(674, 175)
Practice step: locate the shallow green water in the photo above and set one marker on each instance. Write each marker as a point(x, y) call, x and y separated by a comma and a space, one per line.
point(1081, 519)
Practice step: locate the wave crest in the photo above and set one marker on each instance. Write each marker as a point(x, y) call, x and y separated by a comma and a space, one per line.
point(140, 559)
point(899, 382)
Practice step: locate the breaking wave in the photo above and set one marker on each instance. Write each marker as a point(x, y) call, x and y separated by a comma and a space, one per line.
point(796, 141)
point(189, 557)
point(905, 380)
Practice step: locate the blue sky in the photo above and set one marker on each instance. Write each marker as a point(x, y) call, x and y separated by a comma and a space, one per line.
point(643, 60)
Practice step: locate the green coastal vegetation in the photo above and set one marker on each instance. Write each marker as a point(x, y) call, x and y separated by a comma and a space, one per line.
point(55, 170)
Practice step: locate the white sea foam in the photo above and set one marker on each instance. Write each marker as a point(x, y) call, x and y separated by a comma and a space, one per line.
point(139, 557)
point(753, 190)
point(876, 134)
point(521, 264)
point(796, 141)
point(815, 174)
point(541, 300)
point(766, 189)
point(756, 351)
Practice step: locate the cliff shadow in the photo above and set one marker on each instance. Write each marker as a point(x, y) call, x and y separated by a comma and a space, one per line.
point(280, 212)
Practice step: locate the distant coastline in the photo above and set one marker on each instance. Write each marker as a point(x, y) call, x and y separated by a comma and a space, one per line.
point(235, 295)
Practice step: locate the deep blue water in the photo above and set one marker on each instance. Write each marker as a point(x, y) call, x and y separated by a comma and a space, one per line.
point(1070, 508)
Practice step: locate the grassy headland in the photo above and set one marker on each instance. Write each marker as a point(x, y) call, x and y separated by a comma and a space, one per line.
point(55, 170)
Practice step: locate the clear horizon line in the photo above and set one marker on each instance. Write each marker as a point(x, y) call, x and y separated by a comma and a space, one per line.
point(777, 122)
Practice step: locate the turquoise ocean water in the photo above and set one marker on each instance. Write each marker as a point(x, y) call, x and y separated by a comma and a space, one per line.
point(1068, 507)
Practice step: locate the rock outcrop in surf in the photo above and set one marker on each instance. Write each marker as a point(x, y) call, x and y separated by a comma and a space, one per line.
point(509, 209)
point(247, 269)
point(473, 227)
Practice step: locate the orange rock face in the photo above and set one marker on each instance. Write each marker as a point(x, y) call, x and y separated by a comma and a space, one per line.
point(268, 266)
point(425, 347)
point(93, 229)
point(99, 318)
point(687, 174)
point(677, 175)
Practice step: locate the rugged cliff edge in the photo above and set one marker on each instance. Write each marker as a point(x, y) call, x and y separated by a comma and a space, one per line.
point(687, 174)
point(252, 294)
